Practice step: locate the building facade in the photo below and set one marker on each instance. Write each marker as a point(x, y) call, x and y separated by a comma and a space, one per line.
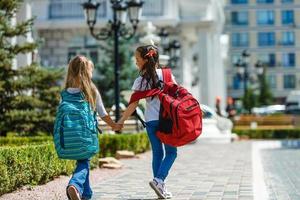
point(197, 24)
point(269, 31)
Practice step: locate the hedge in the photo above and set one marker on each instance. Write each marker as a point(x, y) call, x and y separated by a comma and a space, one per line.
point(34, 164)
point(18, 141)
point(269, 134)
point(109, 144)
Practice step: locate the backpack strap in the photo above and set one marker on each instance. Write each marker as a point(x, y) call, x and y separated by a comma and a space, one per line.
point(137, 95)
point(167, 75)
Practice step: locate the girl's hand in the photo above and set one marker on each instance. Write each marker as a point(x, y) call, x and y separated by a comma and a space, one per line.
point(117, 127)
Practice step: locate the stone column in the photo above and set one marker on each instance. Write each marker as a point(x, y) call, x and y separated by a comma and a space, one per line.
point(24, 14)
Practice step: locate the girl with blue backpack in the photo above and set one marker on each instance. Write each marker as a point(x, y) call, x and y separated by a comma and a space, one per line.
point(163, 155)
point(75, 129)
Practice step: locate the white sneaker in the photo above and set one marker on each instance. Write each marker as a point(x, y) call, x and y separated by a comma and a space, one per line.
point(160, 189)
point(168, 194)
point(72, 193)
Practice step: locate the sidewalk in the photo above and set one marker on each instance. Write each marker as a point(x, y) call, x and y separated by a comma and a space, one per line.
point(236, 171)
point(201, 171)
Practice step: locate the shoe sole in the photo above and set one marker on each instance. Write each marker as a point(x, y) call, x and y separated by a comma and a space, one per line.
point(160, 195)
point(73, 194)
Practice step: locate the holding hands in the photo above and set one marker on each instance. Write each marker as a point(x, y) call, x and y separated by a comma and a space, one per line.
point(117, 127)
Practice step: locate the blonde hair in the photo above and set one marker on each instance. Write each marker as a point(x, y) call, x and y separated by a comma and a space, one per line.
point(78, 77)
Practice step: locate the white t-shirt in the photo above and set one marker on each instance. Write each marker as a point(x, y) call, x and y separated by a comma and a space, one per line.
point(152, 105)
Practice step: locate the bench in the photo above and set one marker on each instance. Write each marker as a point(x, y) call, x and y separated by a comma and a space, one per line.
point(266, 122)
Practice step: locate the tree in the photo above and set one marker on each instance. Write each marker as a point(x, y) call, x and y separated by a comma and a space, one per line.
point(29, 94)
point(265, 95)
point(249, 100)
point(104, 75)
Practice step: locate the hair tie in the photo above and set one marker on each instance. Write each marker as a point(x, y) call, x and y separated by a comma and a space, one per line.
point(151, 53)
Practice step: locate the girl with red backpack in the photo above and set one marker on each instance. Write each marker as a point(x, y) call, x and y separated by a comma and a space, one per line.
point(150, 77)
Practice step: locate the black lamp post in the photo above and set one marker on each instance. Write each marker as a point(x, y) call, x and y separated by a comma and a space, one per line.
point(172, 48)
point(116, 28)
point(242, 66)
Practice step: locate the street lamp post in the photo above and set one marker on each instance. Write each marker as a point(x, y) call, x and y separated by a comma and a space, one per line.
point(115, 28)
point(172, 48)
point(242, 66)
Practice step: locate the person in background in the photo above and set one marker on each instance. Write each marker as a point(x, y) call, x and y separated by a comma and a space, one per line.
point(218, 105)
point(230, 108)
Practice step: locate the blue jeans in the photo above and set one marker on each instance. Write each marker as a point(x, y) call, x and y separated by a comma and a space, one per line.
point(80, 179)
point(163, 155)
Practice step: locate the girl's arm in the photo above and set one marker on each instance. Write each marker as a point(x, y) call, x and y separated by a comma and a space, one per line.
point(127, 113)
point(102, 112)
point(107, 119)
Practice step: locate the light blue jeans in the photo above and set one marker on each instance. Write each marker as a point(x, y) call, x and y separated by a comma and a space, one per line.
point(80, 179)
point(163, 155)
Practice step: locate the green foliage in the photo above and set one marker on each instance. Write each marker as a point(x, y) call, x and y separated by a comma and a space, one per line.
point(19, 141)
point(29, 94)
point(33, 160)
point(34, 164)
point(265, 95)
point(104, 73)
point(269, 134)
point(109, 144)
point(249, 100)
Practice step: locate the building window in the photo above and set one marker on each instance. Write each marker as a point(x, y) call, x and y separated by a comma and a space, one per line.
point(235, 58)
point(272, 81)
point(266, 39)
point(240, 39)
point(59, 9)
point(287, 1)
point(237, 82)
point(265, 17)
point(239, 1)
point(289, 81)
point(288, 38)
point(239, 18)
point(264, 1)
point(269, 59)
point(287, 17)
point(288, 59)
point(84, 45)
point(153, 8)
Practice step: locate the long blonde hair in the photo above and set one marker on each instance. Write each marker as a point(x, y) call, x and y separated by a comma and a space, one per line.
point(78, 77)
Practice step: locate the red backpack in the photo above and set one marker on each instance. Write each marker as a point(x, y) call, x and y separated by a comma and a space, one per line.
point(180, 118)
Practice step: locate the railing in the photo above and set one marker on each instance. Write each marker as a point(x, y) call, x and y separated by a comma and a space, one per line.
point(59, 9)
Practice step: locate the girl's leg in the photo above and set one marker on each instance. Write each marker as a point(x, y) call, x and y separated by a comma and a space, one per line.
point(171, 154)
point(157, 148)
point(87, 190)
point(80, 175)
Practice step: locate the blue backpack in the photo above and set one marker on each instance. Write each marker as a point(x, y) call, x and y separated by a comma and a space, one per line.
point(75, 128)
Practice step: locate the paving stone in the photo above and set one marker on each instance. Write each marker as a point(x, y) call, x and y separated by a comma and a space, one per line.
point(201, 171)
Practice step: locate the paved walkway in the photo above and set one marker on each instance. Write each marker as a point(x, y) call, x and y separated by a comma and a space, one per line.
point(282, 173)
point(237, 171)
point(201, 171)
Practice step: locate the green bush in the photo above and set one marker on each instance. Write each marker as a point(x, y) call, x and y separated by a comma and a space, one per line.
point(109, 144)
point(18, 141)
point(23, 161)
point(269, 134)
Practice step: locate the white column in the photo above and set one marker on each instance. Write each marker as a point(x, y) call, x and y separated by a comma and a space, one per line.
point(205, 63)
point(211, 72)
point(13, 42)
point(24, 14)
point(186, 56)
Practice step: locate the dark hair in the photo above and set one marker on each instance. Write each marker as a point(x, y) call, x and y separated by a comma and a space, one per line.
point(148, 71)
